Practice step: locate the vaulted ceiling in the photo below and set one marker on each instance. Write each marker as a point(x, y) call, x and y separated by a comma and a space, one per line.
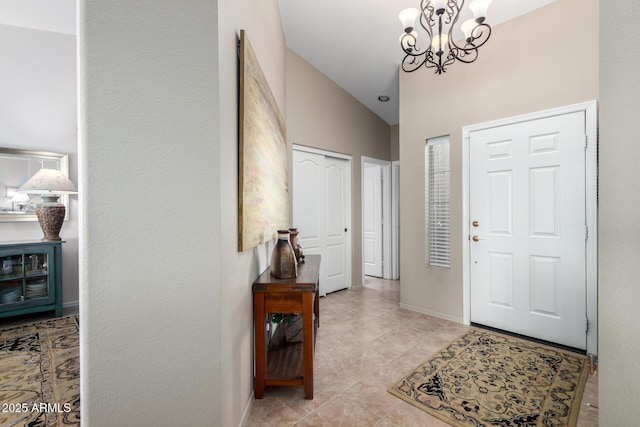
point(353, 42)
point(356, 42)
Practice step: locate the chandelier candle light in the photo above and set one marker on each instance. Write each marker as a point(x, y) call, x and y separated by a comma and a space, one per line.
point(439, 18)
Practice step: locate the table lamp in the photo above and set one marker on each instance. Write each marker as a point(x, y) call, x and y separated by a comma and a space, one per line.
point(50, 184)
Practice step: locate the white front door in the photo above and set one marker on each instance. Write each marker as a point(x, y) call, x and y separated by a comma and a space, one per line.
point(527, 210)
point(372, 217)
point(321, 212)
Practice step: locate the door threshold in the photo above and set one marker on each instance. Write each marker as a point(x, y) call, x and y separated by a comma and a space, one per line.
point(532, 339)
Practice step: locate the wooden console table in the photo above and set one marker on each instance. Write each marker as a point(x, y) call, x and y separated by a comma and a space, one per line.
point(292, 363)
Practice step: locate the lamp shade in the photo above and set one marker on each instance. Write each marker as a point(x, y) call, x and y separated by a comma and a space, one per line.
point(467, 28)
point(479, 8)
point(439, 4)
point(408, 18)
point(49, 181)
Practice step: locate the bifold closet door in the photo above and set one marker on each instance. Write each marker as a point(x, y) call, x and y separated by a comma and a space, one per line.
point(321, 200)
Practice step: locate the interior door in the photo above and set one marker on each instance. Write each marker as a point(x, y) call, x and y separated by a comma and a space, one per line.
point(527, 244)
point(321, 212)
point(308, 201)
point(372, 216)
point(337, 198)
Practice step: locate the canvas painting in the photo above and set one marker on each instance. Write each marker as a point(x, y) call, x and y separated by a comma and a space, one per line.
point(263, 181)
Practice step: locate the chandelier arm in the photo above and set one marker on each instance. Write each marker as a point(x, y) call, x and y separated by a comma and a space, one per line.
point(430, 63)
point(453, 11)
point(467, 55)
point(479, 36)
point(451, 40)
point(426, 15)
point(484, 32)
point(408, 45)
point(469, 52)
point(426, 18)
point(412, 63)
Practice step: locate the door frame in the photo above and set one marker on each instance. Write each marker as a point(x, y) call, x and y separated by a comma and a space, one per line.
point(590, 108)
point(348, 207)
point(395, 219)
point(386, 213)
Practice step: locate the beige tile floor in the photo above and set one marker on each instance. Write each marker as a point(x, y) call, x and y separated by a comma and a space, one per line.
point(365, 343)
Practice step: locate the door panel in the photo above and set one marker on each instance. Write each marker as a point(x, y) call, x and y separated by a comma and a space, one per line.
point(528, 195)
point(308, 191)
point(337, 178)
point(372, 215)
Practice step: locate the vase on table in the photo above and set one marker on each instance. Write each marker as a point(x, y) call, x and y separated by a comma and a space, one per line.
point(297, 249)
point(283, 259)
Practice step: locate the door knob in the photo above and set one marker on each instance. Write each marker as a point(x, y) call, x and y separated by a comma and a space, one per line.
point(476, 238)
point(475, 223)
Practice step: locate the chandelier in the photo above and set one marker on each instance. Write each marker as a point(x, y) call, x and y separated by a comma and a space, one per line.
point(439, 18)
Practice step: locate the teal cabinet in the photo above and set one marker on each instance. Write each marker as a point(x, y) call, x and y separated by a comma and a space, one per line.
point(30, 277)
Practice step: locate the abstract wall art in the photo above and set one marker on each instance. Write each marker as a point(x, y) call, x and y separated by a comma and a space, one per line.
point(263, 189)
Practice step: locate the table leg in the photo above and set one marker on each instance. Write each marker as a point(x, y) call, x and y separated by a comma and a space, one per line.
point(259, 343)
point(316, 307)
point(307, 343)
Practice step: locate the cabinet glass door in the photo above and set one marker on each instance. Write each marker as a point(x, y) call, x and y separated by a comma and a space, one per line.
point(25, 277)
point(36, 276)
point(11, 279)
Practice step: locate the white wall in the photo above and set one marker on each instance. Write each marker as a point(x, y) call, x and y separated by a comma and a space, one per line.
point(619, 229)
point(38, 112)
point(166, 304)
point(150, 307)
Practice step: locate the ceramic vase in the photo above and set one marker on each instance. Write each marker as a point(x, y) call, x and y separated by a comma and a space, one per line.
point(283, 259)
point(297, 249)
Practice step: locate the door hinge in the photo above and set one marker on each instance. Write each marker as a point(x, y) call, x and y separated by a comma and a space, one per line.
point(586, 324)
point(586, 141)
point(586, 232)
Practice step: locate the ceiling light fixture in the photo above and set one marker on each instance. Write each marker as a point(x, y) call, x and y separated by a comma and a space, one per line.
point(439, 18)
point(383, 98)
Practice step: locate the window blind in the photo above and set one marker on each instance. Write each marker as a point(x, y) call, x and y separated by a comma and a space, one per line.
point(437, 202)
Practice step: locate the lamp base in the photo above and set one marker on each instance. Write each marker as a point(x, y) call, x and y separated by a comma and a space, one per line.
point(50, 215)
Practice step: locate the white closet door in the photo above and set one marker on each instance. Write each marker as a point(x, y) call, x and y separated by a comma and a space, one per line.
point(321, 212)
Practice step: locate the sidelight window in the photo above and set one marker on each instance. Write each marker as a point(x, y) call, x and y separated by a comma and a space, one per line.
point(437, 202)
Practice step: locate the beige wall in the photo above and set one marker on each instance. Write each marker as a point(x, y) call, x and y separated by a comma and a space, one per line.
point(238, 270)
point(545, 59)
point(619, 229)
point(322, 115)
point(394, 142)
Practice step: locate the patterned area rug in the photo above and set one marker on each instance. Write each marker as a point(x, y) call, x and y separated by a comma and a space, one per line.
point(485, 379)
point(40, 374)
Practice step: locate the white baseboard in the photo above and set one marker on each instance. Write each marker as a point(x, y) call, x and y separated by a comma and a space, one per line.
point(356, 287)
point(71, 304)
point(431, 313)
point(247, 410)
